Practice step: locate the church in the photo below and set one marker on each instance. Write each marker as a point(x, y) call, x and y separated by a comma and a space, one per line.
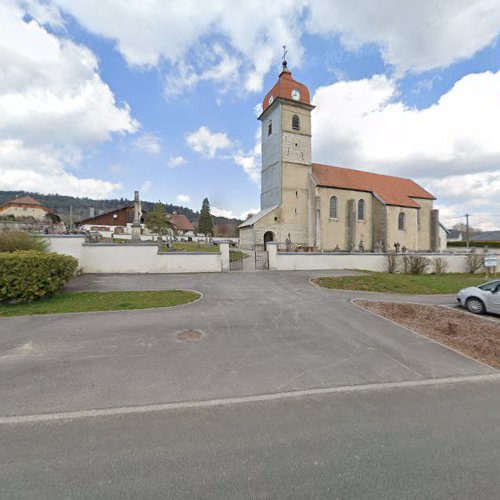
point(322, 207)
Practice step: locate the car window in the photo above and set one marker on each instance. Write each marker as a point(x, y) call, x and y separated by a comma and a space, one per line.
point(488, 287)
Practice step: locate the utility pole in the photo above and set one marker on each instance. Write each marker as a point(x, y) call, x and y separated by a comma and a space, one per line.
point(467, 229)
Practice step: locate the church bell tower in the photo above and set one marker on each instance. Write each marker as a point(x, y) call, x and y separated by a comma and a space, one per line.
point(286, 157)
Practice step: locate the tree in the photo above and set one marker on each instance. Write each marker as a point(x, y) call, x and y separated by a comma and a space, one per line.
point(205, 224)
point(157, 221)
point(462, 227)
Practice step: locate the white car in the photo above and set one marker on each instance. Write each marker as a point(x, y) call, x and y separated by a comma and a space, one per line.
point(482, 298)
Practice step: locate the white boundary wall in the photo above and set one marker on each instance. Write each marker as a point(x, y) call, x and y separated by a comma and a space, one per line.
point(137, 258)
point(296, 261)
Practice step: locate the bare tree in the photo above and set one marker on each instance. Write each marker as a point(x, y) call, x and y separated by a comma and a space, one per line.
point(440, 265)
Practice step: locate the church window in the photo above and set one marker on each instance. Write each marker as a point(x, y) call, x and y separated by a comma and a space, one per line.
point(418, 218)
point(295, 122)
point(361, 210)
point(270, 128)
point(333, 207)
point(401, 221)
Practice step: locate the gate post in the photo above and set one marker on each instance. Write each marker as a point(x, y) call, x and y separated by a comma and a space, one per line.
point(224, 256)
point(272, 252)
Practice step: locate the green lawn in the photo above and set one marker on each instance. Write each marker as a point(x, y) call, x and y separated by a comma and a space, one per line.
point(190, 246)
point(237, 255)
point(99, 301)
point(402, 283)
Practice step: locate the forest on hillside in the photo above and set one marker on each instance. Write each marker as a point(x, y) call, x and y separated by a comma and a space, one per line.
point(60, 204)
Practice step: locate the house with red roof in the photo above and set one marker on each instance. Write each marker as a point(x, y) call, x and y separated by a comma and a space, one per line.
point(328, 207)
point(25, 207)
point(180, 223)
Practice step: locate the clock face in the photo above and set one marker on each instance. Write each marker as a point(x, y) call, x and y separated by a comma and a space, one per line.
point(270, 101)
point(295, 94)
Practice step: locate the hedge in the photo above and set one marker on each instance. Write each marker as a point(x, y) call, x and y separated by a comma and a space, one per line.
point(30, 275)
point(475, 244)
point(17, 240)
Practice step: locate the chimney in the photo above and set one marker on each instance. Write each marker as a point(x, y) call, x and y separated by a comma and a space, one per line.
point(91, 212)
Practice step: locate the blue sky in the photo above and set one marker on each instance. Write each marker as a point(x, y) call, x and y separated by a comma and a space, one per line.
point(100, 98)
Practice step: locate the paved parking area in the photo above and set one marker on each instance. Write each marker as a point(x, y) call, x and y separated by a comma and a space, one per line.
point(262, 332)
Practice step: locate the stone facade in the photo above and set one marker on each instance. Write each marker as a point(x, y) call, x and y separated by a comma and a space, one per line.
point(301, 204)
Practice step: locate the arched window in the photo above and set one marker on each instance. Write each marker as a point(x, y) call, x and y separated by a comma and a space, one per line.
point(295, 122)
point(333, 207)
point(270, 128)
point(401, 221)
point(361, 210)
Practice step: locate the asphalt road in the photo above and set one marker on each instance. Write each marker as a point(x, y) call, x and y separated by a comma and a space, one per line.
point(262, 333)
point(88, 401)
point(440, 441)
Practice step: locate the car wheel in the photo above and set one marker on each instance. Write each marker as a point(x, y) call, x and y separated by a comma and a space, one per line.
point(475, 305)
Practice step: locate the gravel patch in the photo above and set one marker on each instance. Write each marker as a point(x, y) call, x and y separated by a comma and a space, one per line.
point(471, 335)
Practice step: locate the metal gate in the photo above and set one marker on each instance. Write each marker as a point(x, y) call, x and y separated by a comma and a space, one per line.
point(261, 259)
point(235, 260)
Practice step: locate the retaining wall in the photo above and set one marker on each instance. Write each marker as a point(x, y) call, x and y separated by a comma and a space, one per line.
point(137, 258)
point(295, 261)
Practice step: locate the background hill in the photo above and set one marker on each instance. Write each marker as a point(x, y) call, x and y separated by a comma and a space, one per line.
point(82, 206)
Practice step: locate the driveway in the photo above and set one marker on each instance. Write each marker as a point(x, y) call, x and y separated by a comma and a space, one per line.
point(262, 332)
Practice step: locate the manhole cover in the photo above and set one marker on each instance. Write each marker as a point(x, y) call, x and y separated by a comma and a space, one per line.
point(189, 335)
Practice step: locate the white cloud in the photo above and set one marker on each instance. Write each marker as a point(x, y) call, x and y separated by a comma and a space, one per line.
point(53, 104)
point(146, 186)
point(148, 142)
point(207, 143)
point(151, 33)
point(183, 198)
point(412, 35)
point(216, 65)
point(245, 41)
point(451, 147)
point(244, 215)
point(219, 212)
point(176, 161)
point(34, 169)
point(249, 165)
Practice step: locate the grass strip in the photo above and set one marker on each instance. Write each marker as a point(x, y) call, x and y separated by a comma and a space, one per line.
point(69, 302)
point(190, 246)
point(402, 283)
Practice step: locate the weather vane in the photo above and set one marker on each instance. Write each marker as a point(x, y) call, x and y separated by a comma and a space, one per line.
point(284, 55)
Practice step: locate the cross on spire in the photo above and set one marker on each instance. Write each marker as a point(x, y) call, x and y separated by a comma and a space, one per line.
point(285, 52)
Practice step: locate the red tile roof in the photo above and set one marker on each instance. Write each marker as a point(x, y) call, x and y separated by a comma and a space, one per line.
point(284, 87)
point(391, 190)
point(25, 200)
point(181, 222)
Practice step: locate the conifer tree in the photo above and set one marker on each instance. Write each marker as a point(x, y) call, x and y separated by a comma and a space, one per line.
point(157, 220)
point(205, 224)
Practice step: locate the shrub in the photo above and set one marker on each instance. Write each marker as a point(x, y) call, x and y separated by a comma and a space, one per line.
point(474, 262)
point(440, 265)
point(392, 263)
point(30, 275)
point(416, 264)
point(14, 241)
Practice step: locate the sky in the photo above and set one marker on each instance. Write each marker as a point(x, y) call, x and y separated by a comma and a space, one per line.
point(99, 98)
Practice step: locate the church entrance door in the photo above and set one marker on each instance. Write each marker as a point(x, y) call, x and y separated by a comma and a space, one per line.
point(268, 236)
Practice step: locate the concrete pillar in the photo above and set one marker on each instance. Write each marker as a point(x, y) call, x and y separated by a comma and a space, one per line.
point(351, 225)
point(434, 230)
point(136, 225)
point(318, 242)
point(272, 252)
point(224, 255)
